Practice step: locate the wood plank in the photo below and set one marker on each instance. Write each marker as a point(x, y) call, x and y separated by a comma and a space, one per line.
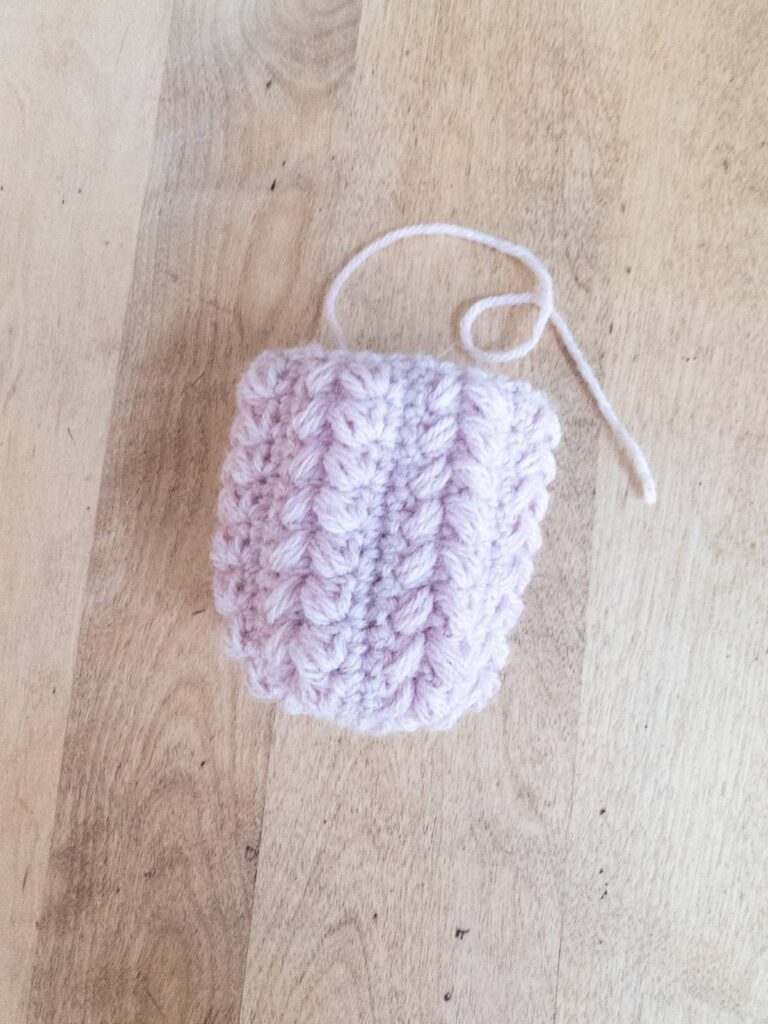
point(148, 903)
point(667, 910)
point(78, 93)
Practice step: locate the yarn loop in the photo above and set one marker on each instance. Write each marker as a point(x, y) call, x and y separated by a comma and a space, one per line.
point(542, 298)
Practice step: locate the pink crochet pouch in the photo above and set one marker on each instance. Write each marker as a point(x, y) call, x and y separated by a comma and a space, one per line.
point(378, 520)
point(379, 517)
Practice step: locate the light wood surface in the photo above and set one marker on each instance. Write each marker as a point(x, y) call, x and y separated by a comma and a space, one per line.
point(178, 183)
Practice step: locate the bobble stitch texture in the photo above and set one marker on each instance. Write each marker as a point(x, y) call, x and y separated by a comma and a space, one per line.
point(378, 520)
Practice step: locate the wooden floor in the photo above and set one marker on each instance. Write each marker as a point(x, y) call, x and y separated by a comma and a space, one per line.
point(179, 179)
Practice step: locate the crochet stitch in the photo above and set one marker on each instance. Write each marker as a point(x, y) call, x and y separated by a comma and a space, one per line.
point(379, 516)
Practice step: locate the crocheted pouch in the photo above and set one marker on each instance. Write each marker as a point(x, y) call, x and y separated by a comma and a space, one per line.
point(379, 518)
point(379, 515)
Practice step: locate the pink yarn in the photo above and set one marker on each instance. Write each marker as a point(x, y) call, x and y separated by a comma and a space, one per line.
point(378, 520)
point(379, 515)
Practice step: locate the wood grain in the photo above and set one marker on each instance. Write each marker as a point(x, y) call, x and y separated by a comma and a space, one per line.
point(590, 848)
point(672, 718)
point(78, 94)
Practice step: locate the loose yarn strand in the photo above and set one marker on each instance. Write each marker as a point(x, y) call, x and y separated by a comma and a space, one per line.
point(542, 297)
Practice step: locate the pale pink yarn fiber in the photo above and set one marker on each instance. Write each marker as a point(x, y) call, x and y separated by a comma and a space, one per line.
point(379, 515)
point(379, 519)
